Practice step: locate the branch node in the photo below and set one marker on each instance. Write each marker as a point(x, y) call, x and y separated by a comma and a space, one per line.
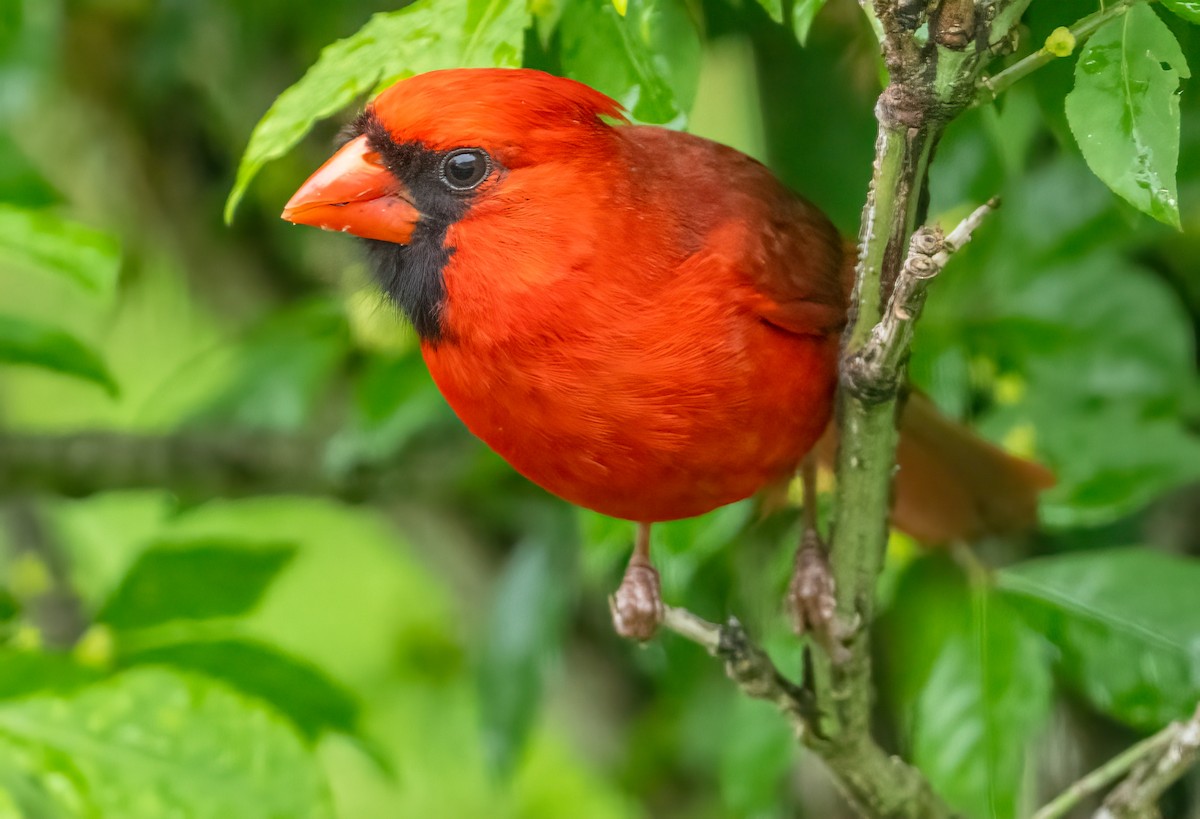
point(953, 24)
point(874, 373)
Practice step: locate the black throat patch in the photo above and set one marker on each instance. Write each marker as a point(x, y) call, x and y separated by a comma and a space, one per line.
point(413, 275)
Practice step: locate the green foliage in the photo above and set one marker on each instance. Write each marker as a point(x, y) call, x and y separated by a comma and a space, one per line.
point(971, 683)
point(804, 12)
point(1128, 77)
point(526, 623)
point(1036, 336)
point(646, 59)
point(1125, 623)
point(420, 37)
point(30, 342)
point(312, 702)
point(23, 673)
point(151, 743)
point(193, 581)
point(40, 243)
point(1187, 9)
point(283, 370)
point(34, 243)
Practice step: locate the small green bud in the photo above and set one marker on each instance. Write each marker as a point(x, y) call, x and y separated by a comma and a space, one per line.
point(1061, 42)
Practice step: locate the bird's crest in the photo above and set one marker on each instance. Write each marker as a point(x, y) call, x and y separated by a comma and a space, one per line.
point(444, 109)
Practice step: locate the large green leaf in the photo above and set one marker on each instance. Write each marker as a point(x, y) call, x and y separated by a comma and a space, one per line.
point(41, 243)
point(194, 580)
point(30, 342)
point(1127, 626)
point(149, 743)
point(1124, 110)
point(756, 752)
point(424, 36)
point(295, 688)
point(648, 59)
point(971, 683)
point(1187, 9)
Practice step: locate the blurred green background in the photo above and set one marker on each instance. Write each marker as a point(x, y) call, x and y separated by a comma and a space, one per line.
point(233, 498)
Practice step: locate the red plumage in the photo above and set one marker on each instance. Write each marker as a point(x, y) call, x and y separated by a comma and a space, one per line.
point(641, 321)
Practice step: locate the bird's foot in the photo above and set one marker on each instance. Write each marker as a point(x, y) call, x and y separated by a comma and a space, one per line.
point(637, 606)
point(812, 598)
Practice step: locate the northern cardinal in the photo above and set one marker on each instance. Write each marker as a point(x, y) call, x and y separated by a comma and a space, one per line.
point(641, 321)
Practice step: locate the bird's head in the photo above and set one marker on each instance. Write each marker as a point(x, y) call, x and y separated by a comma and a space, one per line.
point(444, 148)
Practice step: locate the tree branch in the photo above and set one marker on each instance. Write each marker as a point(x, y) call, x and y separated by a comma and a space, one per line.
point(1103, 776)
point(931, 80)
point(992, 87)
point(873, 370)
point(194, 464)
point(879, 784)
point(1157, 770)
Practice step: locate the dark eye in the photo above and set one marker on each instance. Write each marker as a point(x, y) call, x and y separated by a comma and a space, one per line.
point(465, 168)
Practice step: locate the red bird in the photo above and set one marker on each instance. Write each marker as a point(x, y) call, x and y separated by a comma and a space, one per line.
point(641, 321)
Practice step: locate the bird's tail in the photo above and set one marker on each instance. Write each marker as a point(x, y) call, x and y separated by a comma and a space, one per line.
point(953, 485)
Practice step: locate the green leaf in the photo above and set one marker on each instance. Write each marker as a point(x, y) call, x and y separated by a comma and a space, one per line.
point(20, 180)
point(149, 743)
point(1124, 110)
point(42, 243)
point(756, 752)
point(1187, 9)
point(33, 672)
point(803, 14)
point(972, 682)
point(524, 634)
point(774, 8)
point(194, 580)
point(298, 690)
point(1126, 624)
point(29, 342)
point(421, 37)
point(648, 60)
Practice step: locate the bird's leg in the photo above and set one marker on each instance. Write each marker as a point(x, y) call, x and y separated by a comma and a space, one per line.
point(811, 598)
point(637, 607)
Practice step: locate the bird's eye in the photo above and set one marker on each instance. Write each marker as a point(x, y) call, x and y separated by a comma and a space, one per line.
point(464, 169)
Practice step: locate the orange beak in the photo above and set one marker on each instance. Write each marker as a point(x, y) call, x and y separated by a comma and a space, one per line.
point(354, 193)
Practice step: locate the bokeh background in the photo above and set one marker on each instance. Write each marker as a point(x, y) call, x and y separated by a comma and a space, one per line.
point(224, 469)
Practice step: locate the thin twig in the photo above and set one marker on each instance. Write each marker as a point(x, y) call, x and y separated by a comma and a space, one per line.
point(1138, 794)
point(992, 87)
point(746, 663)
point(874, 372)
point(194, 464)
point(1100, 778)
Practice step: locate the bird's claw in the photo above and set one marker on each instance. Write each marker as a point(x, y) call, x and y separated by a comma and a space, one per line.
point(812, 599)
point(637, 606)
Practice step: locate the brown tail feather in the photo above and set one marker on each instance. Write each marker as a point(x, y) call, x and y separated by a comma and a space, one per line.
point(952, 484)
